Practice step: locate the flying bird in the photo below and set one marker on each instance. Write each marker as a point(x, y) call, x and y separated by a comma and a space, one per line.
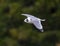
point(35, 21)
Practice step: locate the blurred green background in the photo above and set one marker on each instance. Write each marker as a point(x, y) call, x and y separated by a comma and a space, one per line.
point(13, 30)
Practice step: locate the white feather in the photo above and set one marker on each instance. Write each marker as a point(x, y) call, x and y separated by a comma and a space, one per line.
point(34, 20)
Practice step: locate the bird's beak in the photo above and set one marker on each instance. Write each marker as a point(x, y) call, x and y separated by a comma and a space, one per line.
point(25, 20)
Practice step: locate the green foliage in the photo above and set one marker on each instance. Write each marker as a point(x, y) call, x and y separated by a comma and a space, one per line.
point(14, 32)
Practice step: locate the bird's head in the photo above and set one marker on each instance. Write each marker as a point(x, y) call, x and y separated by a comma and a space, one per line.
point(27, 20)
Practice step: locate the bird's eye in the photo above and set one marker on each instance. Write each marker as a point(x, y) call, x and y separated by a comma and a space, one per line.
point(27, 20)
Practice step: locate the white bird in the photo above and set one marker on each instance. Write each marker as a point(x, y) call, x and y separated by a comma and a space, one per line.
point(35, 21)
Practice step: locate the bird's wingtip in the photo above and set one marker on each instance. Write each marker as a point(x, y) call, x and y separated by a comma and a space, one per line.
point(41, 30)
point(22, 14)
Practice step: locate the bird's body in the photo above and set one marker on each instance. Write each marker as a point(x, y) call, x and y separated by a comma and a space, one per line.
point(34, 20)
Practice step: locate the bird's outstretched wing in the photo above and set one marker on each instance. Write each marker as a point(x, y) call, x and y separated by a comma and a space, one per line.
point(37, 24)
point(27, 15)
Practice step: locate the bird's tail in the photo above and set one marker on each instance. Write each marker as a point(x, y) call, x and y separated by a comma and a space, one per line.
point(42, 19)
